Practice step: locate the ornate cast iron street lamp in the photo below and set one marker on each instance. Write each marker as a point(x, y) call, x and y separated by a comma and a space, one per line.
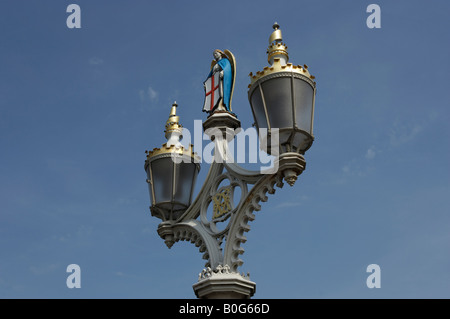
point(282, 101)
point(171, 173)
point(282, 97)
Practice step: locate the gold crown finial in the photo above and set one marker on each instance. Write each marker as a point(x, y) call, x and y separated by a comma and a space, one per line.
point(173, 111)
point(276, 34)
point(173, 122)
point(173, 135)
point(276, 47)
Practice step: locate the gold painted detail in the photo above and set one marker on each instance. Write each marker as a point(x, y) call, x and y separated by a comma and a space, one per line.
point(278, 67)
point(222, 203)
point(173, 122)
point(276, 34)
point(277, 49)
point(173, 150)
point(276, 46)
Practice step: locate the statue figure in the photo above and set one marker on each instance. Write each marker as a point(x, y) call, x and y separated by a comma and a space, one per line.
point(219, 84)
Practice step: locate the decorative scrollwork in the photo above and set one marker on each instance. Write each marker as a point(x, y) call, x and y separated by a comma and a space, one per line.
point(196, 227)
point(194, 232)
point(221, 198)
point(236, 235)
point(220, 270)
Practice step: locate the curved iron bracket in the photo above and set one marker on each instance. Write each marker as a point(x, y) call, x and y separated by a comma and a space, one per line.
point(198, 226)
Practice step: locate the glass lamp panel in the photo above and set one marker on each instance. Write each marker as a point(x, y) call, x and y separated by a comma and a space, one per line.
point(303, 95)
point(184, 173)
point(162, 170)
point(258, 108)
point(284, 136)
point(194, 179)
point(150, 185)
point(277, 94)
point(301, 141)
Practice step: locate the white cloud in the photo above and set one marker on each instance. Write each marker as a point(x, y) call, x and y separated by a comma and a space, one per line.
point(401, 134)
point(359, 166)
point(371, 153)
point(95, 61)
point(43, 269)
point(292, 204)
point(346, 169)
point(83, 232)
point(149, 95)
point(152, 94)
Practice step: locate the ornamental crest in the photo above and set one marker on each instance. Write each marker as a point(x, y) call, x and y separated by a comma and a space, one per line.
point(222, 203)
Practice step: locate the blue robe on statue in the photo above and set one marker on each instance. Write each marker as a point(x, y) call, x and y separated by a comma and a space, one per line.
point(225, 65)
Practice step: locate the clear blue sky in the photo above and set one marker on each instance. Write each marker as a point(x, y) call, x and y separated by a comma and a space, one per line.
point(78, 108)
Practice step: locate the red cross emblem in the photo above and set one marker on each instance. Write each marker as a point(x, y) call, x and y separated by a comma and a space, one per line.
point(211, 94)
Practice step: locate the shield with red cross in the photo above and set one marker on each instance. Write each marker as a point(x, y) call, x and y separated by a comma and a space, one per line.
point(212, 93)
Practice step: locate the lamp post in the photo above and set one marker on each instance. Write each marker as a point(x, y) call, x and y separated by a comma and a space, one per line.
point(282, 102)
